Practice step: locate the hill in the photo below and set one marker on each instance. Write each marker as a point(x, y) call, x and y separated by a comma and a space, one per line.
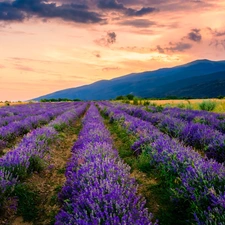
point(199, 78)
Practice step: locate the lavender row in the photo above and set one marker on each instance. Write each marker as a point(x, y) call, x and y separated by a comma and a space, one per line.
point(17, 164)
point(197, 135)
point(27, 111)
point(195, 181)
point(98, 189)
point(10, 111)
point(11, 131)
point(214, 120)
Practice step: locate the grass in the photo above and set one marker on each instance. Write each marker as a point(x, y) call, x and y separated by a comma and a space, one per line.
point(186, 104)
point(40, 194)
point(12, 103)
point(207, 105)
point(27, 202)
point(151, 186)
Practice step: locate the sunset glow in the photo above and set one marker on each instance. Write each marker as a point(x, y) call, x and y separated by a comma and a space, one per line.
point(47, 46)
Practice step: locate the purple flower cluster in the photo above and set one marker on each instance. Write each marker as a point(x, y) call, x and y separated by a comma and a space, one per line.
point(23, 126)
point(98, 189)
point(214, 120)
point(17, 113)
point(7, 183)
point(63, 120)
point(197, 135)
point(35, 144)
point(195, 180)
point(18, 163)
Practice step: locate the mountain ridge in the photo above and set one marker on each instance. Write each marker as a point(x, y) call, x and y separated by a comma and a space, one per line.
point(147, 83)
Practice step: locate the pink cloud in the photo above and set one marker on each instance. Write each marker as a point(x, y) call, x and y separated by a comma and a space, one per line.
point(24, 68)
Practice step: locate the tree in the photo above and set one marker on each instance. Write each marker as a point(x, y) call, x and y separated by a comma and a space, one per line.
point(130, 97)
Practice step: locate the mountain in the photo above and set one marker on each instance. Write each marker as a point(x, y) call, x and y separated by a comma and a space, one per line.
point(200, 78)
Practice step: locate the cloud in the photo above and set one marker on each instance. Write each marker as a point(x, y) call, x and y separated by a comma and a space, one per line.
point(108, 40)
point(19, 10)
point(110, 68)
point(116, 6)
point(111, 4)
point(24, 68)
point(195, 35)
point(28, 60)
point(174, 47)
point(218, 43)
point(2, 67)
point(143, 11)
point(111, 39)
point(216, 33)
point(16, 32)
point(170, 48)
point(138, 23)
point(218, 40)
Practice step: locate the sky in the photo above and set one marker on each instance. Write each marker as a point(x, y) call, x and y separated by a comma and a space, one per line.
point(47, 46)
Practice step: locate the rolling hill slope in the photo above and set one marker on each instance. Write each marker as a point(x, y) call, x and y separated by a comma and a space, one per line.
point(200, 78)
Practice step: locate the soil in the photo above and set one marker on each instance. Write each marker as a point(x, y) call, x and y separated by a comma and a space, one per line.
point(49, 182)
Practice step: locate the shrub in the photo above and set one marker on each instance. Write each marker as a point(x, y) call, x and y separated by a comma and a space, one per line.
point(135, 101)
point(126, 101)
point(130, 97)
point(207, 105)
point(146, 103)
point(181, 105)
point(189, 106)
point(27, 202)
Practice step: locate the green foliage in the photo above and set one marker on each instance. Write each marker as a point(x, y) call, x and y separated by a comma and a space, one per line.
point(126, 97)
point(19, 171)
point(60, 127)
point(61, 170)
point(7, 103)
point(59, 100)
point(207, 105)
point(135, 101)
point(189, 106)
point(168, 105)
point(171, 97)
point(27, 202)
point(181, 105)
point(146, 103)
point(143, 162)
point(121, 97)
point(220, 97)
point(36, 164)
point(130, 97)
point(126, 101)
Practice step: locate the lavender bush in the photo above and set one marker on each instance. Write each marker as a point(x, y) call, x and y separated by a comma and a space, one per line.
point(14, 129)
point(197, 135)
point(18, 163)
point(98, 189)
point(196, 182)
point(214, 120)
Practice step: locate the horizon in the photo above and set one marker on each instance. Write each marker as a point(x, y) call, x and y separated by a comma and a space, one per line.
point(51, 46)
point(128, 75)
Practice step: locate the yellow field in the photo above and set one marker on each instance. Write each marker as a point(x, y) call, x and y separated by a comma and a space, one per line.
point(192, 103)
point(12, 103)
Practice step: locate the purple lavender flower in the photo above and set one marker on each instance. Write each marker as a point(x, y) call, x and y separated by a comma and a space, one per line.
point(193, 176)
point(18, 163)
point(98, 189)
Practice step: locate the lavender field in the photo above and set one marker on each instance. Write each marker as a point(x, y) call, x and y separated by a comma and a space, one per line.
point(96, 163)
